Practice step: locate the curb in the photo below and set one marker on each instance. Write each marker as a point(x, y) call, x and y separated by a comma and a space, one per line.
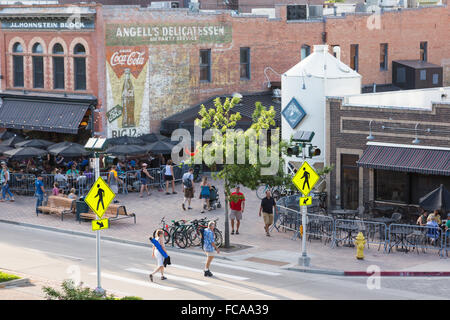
point(111, 239)
point(366, 274)
point(15, 283)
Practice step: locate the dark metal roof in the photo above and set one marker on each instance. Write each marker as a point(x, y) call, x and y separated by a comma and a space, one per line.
point(425, 161)
point(417, 64)
point(246, 107)
point(43, 113)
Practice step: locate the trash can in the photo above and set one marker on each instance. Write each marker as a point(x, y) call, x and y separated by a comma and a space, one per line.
point(81, 207)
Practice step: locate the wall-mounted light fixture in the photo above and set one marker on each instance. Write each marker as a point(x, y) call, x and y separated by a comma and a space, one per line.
point(267, 78)
point(370, 136)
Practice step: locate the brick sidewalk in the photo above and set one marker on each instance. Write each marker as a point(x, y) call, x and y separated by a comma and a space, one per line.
point(278, 249)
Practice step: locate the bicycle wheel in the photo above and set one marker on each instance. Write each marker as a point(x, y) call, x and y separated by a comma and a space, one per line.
point(166, 236)
point(218, 239)
point(261, 191)
point(195, 237)
point(180, 239)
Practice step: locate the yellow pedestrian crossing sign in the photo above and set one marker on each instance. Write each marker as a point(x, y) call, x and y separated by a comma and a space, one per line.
point(305, 201)
point(100, 224)
point(99, 197)
point(305, 179)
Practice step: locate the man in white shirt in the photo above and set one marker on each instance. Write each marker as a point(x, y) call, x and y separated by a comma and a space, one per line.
point(188, 186)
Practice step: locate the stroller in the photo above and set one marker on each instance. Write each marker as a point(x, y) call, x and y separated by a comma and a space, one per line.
point(214, 201)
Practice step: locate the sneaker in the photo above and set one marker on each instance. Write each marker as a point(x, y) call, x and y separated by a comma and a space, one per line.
point(163, 278)
point(184, 208)
point(151, 277)
point(174, 192)
point(268, 234)
point(167, 192)
point(232, 231)
point(203, 211)
point(189, 208)
point(208, 273)
point(237, 232)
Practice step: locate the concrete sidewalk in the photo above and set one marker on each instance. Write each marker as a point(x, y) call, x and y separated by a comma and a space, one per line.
point(251, 245)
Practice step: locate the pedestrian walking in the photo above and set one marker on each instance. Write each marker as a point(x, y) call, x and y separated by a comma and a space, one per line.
point(158, 255)
point(237, 205)
point(144, 179)
point(4, 181)
point(209, 246)
point(268, 205)
point(169, 176)
point(205, 194)
point(39, 193)
point(188, 186)
point(113, 180)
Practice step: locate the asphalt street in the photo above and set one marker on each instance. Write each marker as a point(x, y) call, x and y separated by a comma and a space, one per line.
point(125, 268)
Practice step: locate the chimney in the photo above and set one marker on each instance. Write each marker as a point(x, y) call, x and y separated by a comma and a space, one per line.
point(337, 51)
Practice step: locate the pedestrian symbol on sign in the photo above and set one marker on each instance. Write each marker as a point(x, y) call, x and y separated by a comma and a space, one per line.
point(306, 178)
point(100, 194)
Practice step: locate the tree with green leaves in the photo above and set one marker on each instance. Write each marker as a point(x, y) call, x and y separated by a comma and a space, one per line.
point(248, 158)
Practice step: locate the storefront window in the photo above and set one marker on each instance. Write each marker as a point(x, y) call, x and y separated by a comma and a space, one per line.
point(17, 65)
point(58, 66)
point(349, 181)
point(38, 66)
point(79, 67)
point(391, 186)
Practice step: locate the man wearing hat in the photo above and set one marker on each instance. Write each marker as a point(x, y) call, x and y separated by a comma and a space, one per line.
point(144, 181)
point(4, 181)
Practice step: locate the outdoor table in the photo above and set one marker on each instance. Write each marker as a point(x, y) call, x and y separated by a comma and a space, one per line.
point(345, 214)
point(350, 228)
point(401, 235)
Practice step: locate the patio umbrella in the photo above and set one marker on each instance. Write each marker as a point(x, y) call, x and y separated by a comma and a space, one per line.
point(153, 137)
point(69, 150)
point(36, 143)
point(5, 148)
point(438, 199)
point(6, 135)
point(160, 147)
point(126, 149)
point(12, 141)
point(124, 140)
point(24, 153)
point(63, 144)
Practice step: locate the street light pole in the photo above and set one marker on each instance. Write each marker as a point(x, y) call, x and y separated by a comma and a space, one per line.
point(99, 286)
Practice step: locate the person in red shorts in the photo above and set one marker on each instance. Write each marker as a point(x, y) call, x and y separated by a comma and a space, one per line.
point(237, 204)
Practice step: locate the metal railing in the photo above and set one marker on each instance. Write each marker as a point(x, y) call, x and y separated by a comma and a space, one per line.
point(21, 183)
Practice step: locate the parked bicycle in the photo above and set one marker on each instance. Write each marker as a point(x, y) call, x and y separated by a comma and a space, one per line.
point(277, 191)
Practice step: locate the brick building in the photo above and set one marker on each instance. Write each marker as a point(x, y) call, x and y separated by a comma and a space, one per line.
point(391, 148)
point(174, 59)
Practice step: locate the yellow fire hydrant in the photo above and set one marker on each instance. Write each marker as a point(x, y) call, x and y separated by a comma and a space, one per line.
point(360, 242)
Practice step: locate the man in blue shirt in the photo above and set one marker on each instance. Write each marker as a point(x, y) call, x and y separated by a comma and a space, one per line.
point(39, 192)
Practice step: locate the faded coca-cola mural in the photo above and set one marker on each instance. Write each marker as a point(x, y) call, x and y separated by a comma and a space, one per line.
point(128, 107)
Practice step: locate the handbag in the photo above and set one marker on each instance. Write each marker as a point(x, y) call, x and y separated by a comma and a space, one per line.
point(166, 261)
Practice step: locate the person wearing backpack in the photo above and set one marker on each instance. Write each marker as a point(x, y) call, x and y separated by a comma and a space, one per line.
point(188, 186)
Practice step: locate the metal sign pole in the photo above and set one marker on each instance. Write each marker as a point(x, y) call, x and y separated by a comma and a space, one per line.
point(304, 259)
point(97, 175)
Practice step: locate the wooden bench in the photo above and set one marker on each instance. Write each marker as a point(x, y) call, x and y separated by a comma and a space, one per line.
point(58, 205)
point(114, 212)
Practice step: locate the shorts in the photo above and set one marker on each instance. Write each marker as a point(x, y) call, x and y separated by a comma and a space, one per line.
point(168, 178)
point(236, 215)
point(210, 253)
point(144, 182)
point(268, 218)
point(189, 193)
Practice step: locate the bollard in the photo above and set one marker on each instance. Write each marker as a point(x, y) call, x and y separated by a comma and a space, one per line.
point(359, 243)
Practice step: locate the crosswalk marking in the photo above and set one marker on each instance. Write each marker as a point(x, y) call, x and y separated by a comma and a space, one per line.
point(267, 273)
point(133, 281)
point(171, 277)
point(214, 272)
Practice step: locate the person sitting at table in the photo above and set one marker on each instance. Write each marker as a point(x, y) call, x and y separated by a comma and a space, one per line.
point(72, 194)
point(433, 228)
point(422, 220)
point(73, 171)
point(437, 216)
